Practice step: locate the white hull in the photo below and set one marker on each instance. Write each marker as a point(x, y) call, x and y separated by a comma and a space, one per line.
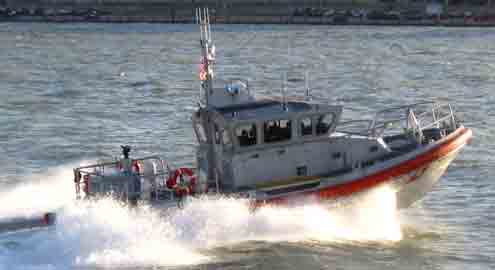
point(411, 192)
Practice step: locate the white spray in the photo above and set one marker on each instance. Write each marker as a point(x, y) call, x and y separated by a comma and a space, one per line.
point(108, 234)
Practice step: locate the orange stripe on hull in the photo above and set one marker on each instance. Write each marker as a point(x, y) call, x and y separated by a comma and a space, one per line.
point(457, 139)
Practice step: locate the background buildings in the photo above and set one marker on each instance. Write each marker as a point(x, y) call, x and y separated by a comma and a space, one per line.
point(257, 11)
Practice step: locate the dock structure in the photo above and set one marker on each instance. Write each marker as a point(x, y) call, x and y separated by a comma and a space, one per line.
point(362, 12)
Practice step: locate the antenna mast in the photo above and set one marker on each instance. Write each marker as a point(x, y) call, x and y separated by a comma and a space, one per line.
point(308, 89)
point(207, 53)
point(284, 91)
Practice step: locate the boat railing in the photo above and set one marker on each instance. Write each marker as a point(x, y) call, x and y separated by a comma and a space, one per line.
point(413, 118)
point(98, 169)
point(115, 170)
point(416, 118)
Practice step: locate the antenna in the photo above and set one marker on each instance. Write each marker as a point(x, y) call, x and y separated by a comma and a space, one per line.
point(284, 92)
point(207, 53)
point(208, 24)
point(308, 89)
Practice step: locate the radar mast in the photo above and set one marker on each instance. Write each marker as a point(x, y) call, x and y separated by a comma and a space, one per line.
point(207, 54)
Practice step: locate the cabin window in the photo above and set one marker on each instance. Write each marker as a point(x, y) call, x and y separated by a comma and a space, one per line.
point(200, 133)
point(246, 135)
point(323, 123)
point(277, 130)
point(336, 155)
point(306, 126)
point(373, 148)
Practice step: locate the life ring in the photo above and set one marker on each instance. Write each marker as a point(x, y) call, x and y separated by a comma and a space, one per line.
point(202, 76)
point(182, 189)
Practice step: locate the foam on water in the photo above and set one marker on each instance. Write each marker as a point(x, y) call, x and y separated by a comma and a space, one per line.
point(210, 222)
point(45, 192)
point(108, 234)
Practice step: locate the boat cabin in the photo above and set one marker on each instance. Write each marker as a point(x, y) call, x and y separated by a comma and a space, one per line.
point(265, 142)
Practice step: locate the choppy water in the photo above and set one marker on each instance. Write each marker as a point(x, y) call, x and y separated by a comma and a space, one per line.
point(74, 93)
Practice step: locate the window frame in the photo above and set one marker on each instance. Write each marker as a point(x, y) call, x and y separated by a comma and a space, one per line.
point(317, 117)
point(300, 121)
point(289, 124)
point(246, 124)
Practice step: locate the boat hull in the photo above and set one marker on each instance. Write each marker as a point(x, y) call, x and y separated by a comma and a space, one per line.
point(411, 178)
point(423, 181)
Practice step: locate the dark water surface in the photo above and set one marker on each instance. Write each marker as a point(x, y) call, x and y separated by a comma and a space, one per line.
point(71, 93)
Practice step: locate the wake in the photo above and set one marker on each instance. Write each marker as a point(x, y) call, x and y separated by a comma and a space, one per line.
point(109, 234)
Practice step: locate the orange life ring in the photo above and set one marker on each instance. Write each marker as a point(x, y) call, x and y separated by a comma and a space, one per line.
point(179, 189)
point(202, 76)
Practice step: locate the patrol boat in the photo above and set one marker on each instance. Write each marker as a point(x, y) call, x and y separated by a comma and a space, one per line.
point(286, 150)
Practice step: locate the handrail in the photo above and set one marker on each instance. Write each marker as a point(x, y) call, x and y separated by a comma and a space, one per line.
point(115, 162)
point(84, 169)
point(436, 122)
point(439, 113)
point(133, 174)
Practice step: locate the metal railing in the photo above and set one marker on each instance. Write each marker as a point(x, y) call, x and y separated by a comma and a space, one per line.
point(98, 169)
point(412, 118)
point(112, 169)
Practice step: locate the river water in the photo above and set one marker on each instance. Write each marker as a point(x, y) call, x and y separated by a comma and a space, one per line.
point(72, 93)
